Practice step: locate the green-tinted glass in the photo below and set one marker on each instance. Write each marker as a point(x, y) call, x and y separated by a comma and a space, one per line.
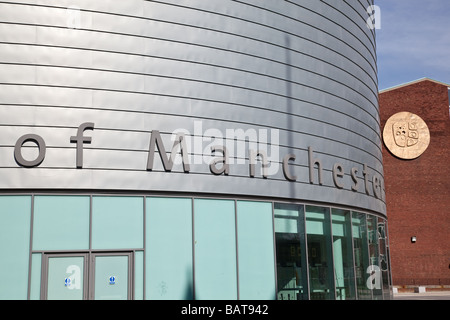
point(111, 277)
point(139, 275)
point(61, 223)
point(35, 288)
point(15, 218)
point(169, 240)
point(374, 258)
point(117, 222)
point(65, 278)
point(361, 255)
point(292, 277)
point(384, 258)
point(343, 255)
point(320, 258)
point(256, 252)
point(215, 249)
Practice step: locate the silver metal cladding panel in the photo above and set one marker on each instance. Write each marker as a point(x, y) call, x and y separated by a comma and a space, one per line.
point(298, 73)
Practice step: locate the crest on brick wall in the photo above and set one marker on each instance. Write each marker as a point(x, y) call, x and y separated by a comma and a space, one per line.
point(406, 135)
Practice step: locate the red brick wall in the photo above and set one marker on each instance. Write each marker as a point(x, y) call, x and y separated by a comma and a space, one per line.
point(418, 191)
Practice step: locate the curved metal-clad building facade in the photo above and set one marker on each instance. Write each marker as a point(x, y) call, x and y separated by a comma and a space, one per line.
point(250, 100)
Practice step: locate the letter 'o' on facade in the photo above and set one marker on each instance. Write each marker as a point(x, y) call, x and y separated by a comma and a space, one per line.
point(235, 125)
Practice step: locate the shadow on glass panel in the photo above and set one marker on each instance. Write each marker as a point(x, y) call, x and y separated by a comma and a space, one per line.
point(289, 267)
point(343, 255)
point(290, 252)
point(320, 259)
point(189, 290)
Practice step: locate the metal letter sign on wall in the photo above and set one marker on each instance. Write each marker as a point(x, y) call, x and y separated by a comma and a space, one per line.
point(85, 85)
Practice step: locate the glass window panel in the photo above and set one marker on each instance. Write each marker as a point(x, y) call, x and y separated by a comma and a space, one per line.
point(117, 222)
point(255, 250)
point(15, 219)
point(361, 255)
point(292, 280)
point(287, 210)
point(112, 277)
point(61, 222)
point(215, 249)
point(139, 275)
point(320, 259)
point(66, 278)
point(35, 288)
point(389, 293)
point(286, 225)
point(169, 271)
point(343, 255)
point(374, 258)
point(384, 258)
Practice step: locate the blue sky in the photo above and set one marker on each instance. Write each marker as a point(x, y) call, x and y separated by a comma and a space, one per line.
point(413, 41)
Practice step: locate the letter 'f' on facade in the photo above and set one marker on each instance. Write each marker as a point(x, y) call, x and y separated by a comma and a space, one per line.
point(79, 139)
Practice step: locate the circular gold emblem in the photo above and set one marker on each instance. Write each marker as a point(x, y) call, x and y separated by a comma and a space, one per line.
point(406, 135)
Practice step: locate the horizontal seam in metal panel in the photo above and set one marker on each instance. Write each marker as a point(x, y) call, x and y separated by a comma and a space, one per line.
point(214, 119)
point(117, 71)
point(375, 94)
point(302, 166)
point(369, 3)
point(372, 31)
point(215, 30)
point(205, 118)
point(263, 41)
point(209, 118)
point(290, 33)
point(372, 41)
point(197, 154)
point(295, 131)
point(165, 95)
point(200, 63)
point(315, 28)
point(210, 82)
point(331, 35)
point(170, 133)
point(182, 79)
point(256, 177)
point(365, 8)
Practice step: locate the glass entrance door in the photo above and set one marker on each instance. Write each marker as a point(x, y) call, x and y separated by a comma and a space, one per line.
point(111, 276)
point(82, 276)
point(65, 277)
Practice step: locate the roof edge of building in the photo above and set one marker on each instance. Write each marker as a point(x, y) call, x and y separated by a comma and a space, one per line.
point(414, 82)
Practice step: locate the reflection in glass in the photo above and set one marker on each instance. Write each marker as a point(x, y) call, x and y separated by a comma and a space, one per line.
point(384, 258)
point(374, 257)
point(65, 278)
point(361, 254)
point(343, 255)
point(320, 258)
point(194, 249)
point(290, 252)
